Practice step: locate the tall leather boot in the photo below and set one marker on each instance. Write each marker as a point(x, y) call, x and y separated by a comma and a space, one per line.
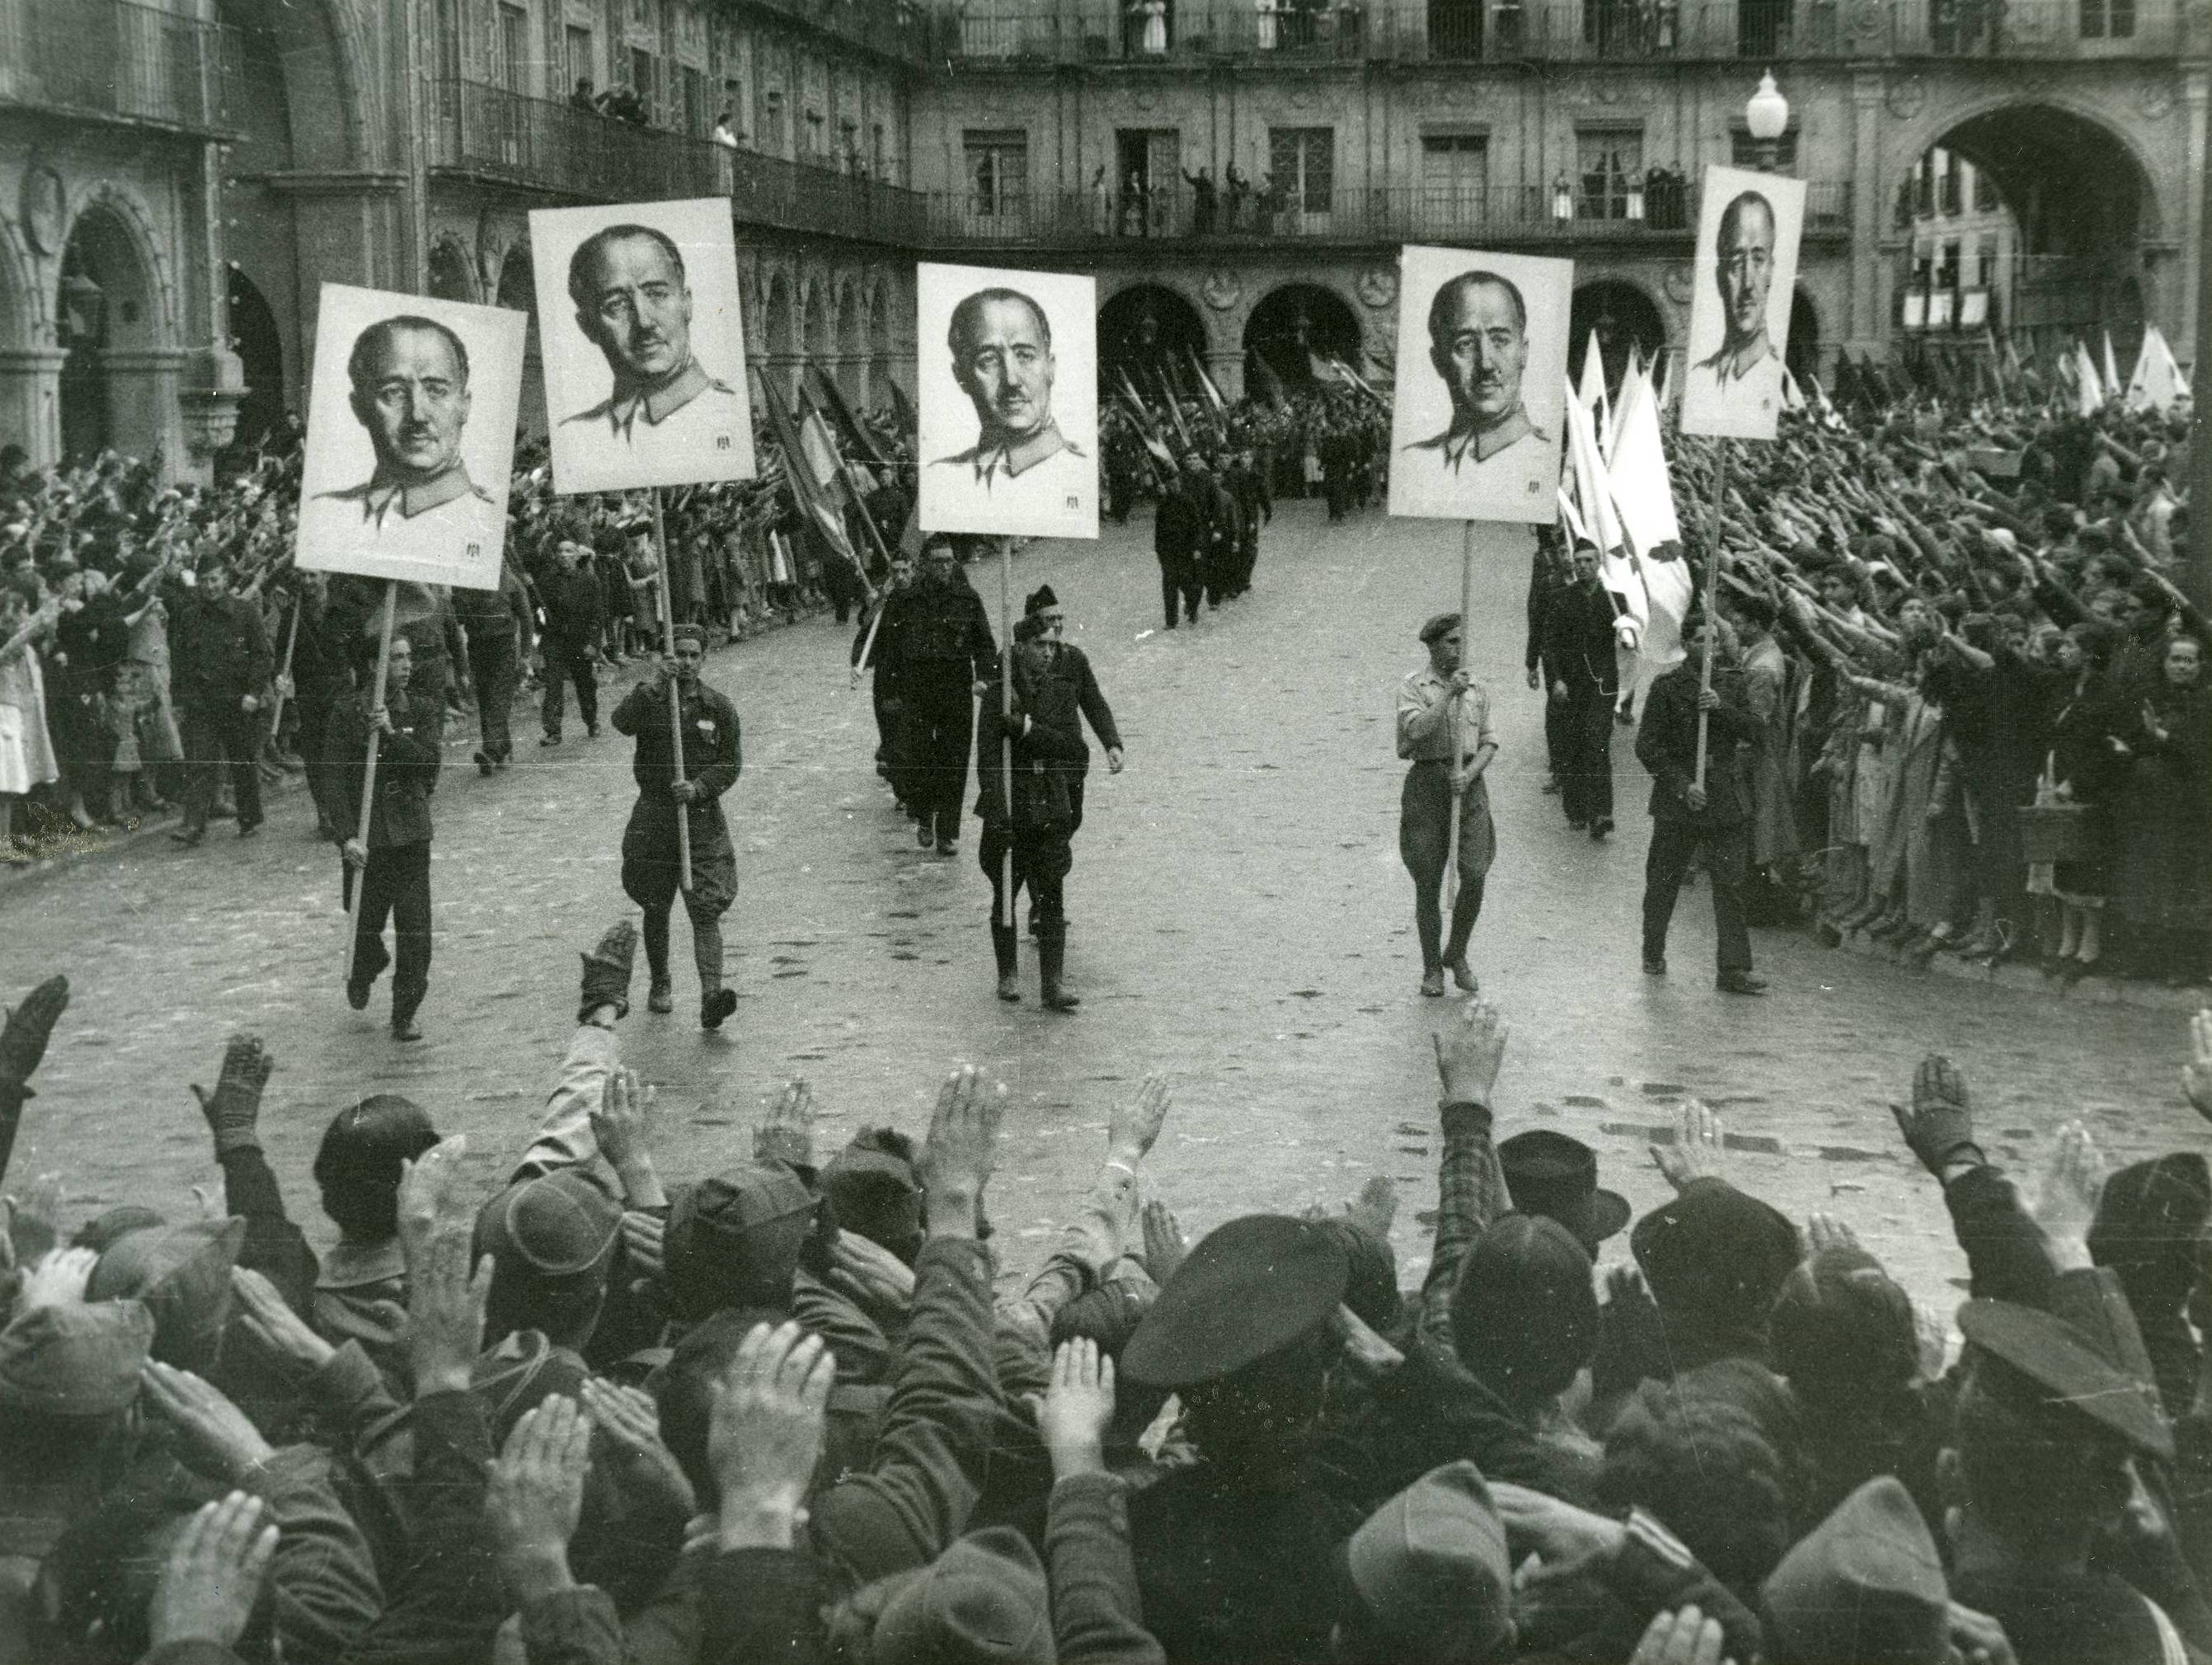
point(1003, 949)
point(715, 1002)
point(1052, 956)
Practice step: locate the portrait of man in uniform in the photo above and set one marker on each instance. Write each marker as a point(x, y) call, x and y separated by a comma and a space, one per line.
point(1001, 459)
point(1744, 266)
point(413, 389)
point(1466, 443)
point(648, 389)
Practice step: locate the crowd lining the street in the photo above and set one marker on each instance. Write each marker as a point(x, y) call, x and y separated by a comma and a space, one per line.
point(561, 1408)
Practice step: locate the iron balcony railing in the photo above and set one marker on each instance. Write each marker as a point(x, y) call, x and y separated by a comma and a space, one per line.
point(1017, 33)
point(110, 58)
point(491, 132)
point(896, 29)
point(1517, 214)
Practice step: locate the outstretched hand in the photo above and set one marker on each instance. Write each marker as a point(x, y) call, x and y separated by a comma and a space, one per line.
point(1685, 1636)
point(961, 1150)
point(1470, 1050)
point(1076, 1408)
point(787, 1134)
point(534, 1496)
point(2066, 1201)
point(1165, 1247)
point(1700, 1147)
point(764, 1433)
point(204, 1416)
point(622, 1121)
point(211, 1581)
point(1133, 1128)
point(264, 1313)
point(2196, 1074)
point(27, 1025)
point(1940, 1127)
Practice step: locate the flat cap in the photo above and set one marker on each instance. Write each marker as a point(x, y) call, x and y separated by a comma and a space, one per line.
point(1040, 598)
point(1249, 1289)
point(560, 1224)
point(1432, 1563)
point(75, 1361)
point(1865, 1586)
point(733, 1240)
point(984, 1599)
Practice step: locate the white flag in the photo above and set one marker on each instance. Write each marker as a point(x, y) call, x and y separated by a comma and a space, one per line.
point(2088, 391)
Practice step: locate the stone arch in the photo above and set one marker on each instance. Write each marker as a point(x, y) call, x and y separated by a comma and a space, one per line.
point(2088, 199)
point(331, 104)
point(118, 375)
point(814, 340)
point(518, 292)
point(780, 317)
point(259, 345)
point(1293, 327)
point(1149, 331)
point(852, 343)
point(452, 273)
point(1803, 353)
point(122, 206)
point(1621, 314)
point(879, 344)
point(26, 319)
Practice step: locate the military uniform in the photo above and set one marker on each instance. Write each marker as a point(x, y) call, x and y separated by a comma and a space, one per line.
point(395, 880)
point(497, 625)
point(221, 656)
point(1431, 730)
point(1179, 536)
point(573, 615)
point(650, 865)
point(685, 428)
point(1667, 744)
point(1578, 651)
point(936, 645)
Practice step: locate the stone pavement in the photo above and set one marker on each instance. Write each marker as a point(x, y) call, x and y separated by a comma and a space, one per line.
point(1240, 921)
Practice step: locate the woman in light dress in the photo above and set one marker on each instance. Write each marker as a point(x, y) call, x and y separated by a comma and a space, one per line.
point(1154, 41)
point(27, 752)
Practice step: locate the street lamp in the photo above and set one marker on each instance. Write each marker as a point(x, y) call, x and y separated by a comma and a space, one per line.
point(1766, 114)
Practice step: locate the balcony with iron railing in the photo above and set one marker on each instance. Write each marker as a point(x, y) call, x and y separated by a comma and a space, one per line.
point(1133, 222)
point(111, 58)
point(488, 133)
point(895, 28)
point(1014, 33)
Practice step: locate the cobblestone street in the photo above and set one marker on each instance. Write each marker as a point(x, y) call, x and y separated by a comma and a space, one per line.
point(1240, 921)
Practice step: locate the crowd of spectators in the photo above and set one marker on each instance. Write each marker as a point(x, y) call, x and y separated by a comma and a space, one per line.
point(560, 1407)
point(127, 684)
point(1987, 729)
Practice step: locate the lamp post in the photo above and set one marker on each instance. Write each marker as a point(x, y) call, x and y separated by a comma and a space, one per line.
point(1766, 114)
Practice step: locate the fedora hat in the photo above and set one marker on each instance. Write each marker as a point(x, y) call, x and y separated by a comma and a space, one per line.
point(1552, 1174)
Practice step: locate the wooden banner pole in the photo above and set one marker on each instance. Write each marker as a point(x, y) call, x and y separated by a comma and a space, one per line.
point(1712, 600)
point(1006, 712)
point(1459, 711)
point(675, 699)
point(360, 875)
point(291, 641)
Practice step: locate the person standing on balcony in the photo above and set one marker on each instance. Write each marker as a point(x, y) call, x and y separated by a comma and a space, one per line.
point(1201, 201)
point(725, 139)
point(1264, 12)
point(1153, 13)
point(1239, 186)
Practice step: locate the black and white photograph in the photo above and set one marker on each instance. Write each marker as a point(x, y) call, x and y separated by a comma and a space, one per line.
point(1479, 416)
point(643, 344)
point(1195, 965)
point(1007, 380)
point(410, 438)
point(1744, 280)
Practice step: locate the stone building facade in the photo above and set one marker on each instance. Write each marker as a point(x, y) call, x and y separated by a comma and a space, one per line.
point(179, 177)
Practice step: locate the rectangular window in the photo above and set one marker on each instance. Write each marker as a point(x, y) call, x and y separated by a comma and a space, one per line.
point(514, 50)
point(1303, 162)
point(645, 79)
point(580, 57)
point(695, 103)
point(1745, 151)
point(1608, 162)
point(1455, 181)
point(771, 124)
point(733, 103)
point(848, 146)
point(998, 172)
point(1986, 263)
point(876, 156)
point(641, 12)
point(1986, 191)
point(815, 141)
point(1953, 193)
point(1923, 190)
point(2108, 20)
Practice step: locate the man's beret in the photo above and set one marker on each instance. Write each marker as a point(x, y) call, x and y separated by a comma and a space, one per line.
point(1443, 624)
point(75, 1361)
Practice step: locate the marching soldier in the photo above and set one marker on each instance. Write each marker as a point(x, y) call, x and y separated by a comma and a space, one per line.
point(1444, 730)
point(936, 645)
point(651, 868)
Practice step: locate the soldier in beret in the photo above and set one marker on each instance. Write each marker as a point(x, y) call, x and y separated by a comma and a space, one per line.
point(651, 864)
point(1444, 730)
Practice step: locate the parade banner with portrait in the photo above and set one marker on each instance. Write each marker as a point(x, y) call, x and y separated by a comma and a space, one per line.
point(643, 344)
point(411, 437)
point(1746, 275)
point(1476, 425)
point(1009, 401)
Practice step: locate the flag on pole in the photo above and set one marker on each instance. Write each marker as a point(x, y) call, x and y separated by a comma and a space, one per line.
point(904, 412)
point(1206, 383)
point(2088, 391)
point(1642, 489)
point(858, 444)
point(2157, 381)
point(1793, 397)
point(2114, 385)
point(1591, 393)
point(1663, 392)
point(799, 468)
